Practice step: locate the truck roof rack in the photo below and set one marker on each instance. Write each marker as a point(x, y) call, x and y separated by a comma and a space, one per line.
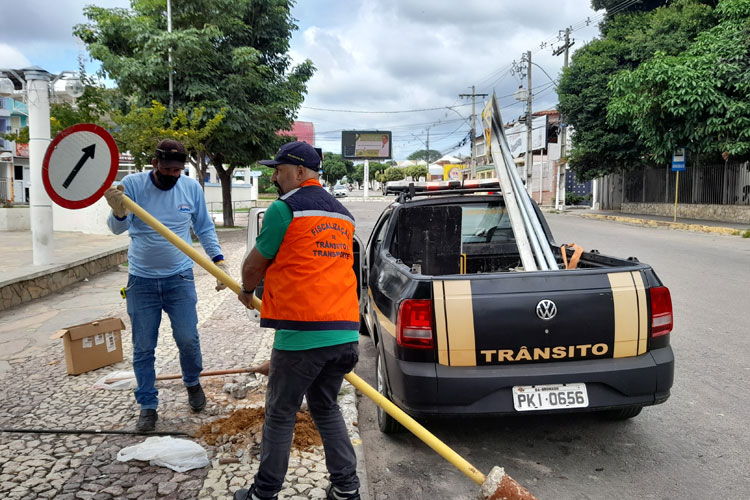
point(409, 190)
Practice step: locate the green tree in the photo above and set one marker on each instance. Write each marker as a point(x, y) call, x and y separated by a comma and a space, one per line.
point(392, 174)
point(422, 154)
point(617, 5)
point(336, 167)
point(376, 168)
point(601, 146)
point(226, 54)
point(141, 128)
point(358, 174)
point(264, 181)
point(416, 171)
point(699, 98)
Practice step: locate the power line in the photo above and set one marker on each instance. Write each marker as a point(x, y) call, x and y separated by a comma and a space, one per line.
point(383, 112)
point(504, 71)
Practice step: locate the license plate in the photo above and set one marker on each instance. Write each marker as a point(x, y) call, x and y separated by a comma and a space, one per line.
point(549, 397)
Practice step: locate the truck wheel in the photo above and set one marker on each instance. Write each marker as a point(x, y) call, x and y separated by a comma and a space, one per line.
point(386, 423)
point(622, 413)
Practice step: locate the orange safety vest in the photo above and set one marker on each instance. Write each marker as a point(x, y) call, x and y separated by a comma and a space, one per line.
point(311, 285)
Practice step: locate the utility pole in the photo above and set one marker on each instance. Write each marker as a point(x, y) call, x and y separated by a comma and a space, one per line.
point(562, 167)
point(427, 144)
point(169, 51)
point(529, 163)
point(473, 96)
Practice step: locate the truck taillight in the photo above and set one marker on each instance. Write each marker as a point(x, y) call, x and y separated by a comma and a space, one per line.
point(661, 311)
point(414, 326)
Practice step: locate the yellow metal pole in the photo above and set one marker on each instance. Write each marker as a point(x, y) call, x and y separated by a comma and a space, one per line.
point(676, 192)
point(413, 426)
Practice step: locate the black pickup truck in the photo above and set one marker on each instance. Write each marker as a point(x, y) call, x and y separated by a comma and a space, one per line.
point(461, 329)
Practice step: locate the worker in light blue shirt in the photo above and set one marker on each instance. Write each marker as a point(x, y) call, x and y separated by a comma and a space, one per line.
point(160, 275)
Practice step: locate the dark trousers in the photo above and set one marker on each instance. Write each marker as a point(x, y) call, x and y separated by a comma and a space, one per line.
point(316, 374)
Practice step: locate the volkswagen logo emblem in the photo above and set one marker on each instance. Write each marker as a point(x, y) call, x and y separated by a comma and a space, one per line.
point(546, 309)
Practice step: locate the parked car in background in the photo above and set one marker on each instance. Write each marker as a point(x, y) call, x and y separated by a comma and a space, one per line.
point(339, 190)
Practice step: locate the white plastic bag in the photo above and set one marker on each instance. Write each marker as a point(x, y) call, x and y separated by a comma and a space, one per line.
point(180, 455)
point(127, 382)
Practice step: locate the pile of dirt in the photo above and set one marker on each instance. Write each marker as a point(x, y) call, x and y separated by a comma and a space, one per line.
point(245, 426)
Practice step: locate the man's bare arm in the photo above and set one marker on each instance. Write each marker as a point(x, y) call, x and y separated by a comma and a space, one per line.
point(253, 269)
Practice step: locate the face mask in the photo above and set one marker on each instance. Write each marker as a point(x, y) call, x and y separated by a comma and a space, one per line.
point(165, 181)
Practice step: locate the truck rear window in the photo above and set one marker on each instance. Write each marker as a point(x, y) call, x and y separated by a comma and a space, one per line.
point(485, 223)
point(466, 238)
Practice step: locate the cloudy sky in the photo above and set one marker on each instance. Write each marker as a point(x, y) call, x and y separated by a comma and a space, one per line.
point(386, 57)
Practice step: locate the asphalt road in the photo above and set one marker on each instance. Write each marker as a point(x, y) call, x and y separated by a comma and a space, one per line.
point(692, 447)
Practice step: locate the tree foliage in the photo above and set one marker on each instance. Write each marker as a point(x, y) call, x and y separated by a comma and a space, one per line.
point(376, 168)
point(416, 171)
point(422, 154)
point(226, 54)
point(617, 5)
point(628, 40)
point(392, 174)
point(699, 98)
point(141, 128)
point(336, 167)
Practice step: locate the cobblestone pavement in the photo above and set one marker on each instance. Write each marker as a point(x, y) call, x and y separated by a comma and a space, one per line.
point(38, 394)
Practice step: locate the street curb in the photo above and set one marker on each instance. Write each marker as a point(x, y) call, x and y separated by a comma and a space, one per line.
point(359, 451)
point(670, 225)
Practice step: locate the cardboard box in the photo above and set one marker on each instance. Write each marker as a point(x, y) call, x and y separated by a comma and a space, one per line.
point(91, 345)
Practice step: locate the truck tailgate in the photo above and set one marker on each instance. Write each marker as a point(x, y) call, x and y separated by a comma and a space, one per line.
point(549, 317)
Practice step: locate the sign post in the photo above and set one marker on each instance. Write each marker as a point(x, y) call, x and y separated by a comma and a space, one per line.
point(678, 165)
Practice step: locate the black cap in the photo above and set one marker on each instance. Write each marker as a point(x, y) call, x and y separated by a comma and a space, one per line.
point(171, 152)
point(295, 153)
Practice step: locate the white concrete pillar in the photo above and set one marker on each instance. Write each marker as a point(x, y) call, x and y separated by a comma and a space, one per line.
point(37, 85)
point(254, 188)
point(367, 178)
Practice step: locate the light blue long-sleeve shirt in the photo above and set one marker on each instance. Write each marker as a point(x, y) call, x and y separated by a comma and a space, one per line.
point(179, 208)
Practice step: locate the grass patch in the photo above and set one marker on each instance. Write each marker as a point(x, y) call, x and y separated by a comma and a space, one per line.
point(746, 234)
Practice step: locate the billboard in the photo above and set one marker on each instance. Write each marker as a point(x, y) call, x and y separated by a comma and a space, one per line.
point(366, 145)
point(517, 136)
point(452, 171)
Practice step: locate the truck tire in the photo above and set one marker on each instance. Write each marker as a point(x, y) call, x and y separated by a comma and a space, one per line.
point(622, 413)
point(386, 423)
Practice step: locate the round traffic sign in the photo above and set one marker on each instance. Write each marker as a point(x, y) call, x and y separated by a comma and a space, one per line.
point(80, 164)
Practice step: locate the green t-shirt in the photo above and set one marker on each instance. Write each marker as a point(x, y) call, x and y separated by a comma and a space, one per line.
point(276, 220)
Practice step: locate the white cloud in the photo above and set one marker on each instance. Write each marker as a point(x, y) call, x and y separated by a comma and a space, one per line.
point(369, 55)
point(413, 54)
point(10, 57)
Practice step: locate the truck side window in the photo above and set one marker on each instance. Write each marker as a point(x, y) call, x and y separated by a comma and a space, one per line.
point(378, 235)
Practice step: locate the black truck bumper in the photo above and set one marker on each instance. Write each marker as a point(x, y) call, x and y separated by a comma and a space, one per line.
point(424, 389)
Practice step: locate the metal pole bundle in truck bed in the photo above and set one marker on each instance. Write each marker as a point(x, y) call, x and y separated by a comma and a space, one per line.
point(533, 245)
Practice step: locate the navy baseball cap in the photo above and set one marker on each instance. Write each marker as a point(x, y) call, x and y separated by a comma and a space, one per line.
point(171, 153)
point(295, 153)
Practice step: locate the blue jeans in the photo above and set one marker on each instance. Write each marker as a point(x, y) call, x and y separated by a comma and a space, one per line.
point(316, 374)
point(146, 298)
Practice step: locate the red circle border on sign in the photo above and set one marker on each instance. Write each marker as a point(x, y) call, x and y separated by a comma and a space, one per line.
point(115, 161)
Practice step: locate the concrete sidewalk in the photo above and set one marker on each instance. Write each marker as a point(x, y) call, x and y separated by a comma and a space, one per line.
point(75, 256)
point(39, 396)
point(699, 225)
